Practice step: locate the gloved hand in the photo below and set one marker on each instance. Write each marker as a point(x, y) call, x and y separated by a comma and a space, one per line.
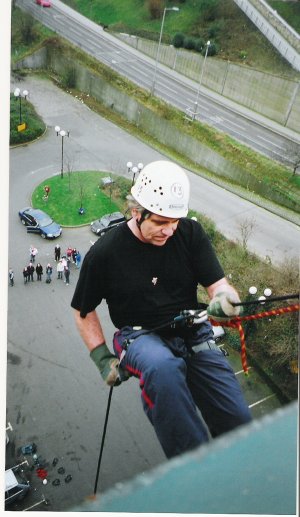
point(221, 308)
point(107, 364)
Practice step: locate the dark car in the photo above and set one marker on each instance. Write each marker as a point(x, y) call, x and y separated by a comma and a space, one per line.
point(38, 221)
point(107, 222)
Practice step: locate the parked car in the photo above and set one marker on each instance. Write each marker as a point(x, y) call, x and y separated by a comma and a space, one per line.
point(44, 3)
point(107, 222)
point(38, 221)
point(16, 485)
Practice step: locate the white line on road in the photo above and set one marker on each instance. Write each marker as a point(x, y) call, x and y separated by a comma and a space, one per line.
point(42, 169)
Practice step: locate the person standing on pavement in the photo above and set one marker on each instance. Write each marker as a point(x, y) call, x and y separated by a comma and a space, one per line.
point(69, 253)
point(48, 273)
point(78, 259)
point(33, 253)
point(25, 275)
point(74, 253)
point(148, 270)
point(39, 271)
point(60, 269)
point(57, 252)
point(67, 275)
point(11, 277)
point(30, 269)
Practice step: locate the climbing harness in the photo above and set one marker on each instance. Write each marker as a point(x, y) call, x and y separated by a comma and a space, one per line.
point(192, 317)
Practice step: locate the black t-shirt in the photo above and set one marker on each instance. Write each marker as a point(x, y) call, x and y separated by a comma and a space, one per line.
point(144, 284)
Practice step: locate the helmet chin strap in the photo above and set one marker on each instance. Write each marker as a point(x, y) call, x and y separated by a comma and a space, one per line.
point(145, 214)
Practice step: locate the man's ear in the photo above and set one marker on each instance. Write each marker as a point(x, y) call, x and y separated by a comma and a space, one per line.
point(136, 214)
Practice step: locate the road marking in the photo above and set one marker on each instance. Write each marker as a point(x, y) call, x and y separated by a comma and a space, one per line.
point(216, 119)
point(262, 400)
point(42, 169)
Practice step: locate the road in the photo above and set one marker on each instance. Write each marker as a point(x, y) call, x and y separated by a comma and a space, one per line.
point(264, 136)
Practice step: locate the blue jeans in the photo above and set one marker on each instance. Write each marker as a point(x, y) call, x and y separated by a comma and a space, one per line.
point(174, 382)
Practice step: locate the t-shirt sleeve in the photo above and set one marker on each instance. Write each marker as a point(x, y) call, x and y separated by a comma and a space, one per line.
point(206, 263)
point(90, 287)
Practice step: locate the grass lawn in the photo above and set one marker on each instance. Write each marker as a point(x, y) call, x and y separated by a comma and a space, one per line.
point(74, 190)
point(35, 126)
point(290, 11)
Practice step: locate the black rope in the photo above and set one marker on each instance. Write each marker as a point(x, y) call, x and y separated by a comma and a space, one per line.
point(103, 438)
point(268, 300)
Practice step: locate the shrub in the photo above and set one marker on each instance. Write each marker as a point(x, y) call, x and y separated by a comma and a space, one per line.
point(189, 43)
point(27, 29)
point(155, 9)
point(178, 40)
point(69, 77)
point(216, 28)
point(212, 50)
point(199, 44)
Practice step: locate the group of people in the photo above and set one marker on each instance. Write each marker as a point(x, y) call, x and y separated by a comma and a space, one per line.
point(72, 255)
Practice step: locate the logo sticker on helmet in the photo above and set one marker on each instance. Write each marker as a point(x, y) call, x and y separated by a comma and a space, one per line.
point(177, 190)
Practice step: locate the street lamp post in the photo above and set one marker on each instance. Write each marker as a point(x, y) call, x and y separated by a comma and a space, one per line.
point(159, 43)
point(200, 80)
point(19, 94)
point(62, 133)
point(134, 169)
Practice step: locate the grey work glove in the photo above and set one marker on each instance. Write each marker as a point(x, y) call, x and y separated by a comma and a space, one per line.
point(221, 308)
point(107, 364)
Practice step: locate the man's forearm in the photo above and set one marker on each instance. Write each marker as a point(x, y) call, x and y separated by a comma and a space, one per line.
point(219, 286)
point(90, 329)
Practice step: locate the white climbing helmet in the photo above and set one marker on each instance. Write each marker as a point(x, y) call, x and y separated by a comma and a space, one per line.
point(163, 188)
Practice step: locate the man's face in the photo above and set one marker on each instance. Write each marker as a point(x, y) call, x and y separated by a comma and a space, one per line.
point(157, 229)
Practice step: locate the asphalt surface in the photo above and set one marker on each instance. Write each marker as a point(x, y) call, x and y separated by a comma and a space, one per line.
point(55, 396)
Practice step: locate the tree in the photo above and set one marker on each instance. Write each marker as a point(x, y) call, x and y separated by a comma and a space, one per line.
point(292, 152)
point(27, 28)
point(155, 8)
point(209, 9)
point(247, 227)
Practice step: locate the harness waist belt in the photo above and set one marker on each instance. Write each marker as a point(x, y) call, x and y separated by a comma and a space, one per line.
point(206, 345)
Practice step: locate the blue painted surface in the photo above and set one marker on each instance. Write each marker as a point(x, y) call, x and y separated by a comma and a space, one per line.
point(251, 470)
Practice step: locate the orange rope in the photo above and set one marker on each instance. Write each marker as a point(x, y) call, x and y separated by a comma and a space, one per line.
point(236, 323)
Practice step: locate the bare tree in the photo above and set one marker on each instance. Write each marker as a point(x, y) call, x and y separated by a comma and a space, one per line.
point(292, 152)
point(70, 169)
point(81, 189)
point(246, 227)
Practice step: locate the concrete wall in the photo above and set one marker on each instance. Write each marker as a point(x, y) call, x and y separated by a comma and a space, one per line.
point(283, 38)
point(271, 96)
point(151, 123)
